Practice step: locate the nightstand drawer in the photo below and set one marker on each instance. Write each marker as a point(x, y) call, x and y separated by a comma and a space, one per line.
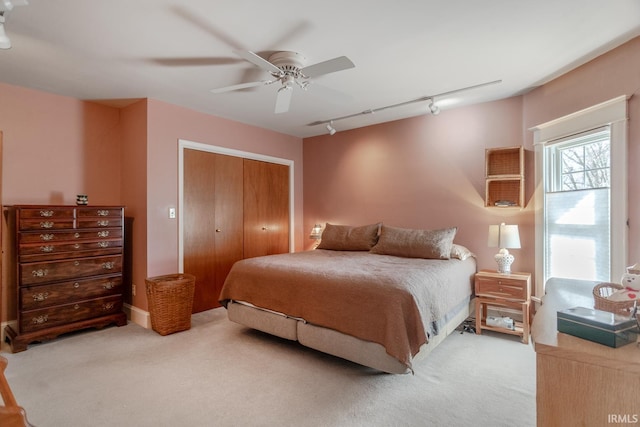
point(502, 288)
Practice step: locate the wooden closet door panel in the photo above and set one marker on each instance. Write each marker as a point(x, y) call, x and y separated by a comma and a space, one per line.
point(212, 221)
point(228, 217)
point(199, 225)
point(266, 208)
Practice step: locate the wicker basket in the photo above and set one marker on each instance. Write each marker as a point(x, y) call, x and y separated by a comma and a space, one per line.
point(602, 291)
point(170, 300)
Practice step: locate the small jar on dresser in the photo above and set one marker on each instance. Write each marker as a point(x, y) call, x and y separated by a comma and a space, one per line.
point(68, 270)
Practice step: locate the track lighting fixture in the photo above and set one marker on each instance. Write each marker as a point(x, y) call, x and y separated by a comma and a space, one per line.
point(5, 43)
point(330, 128)
point(433, 108)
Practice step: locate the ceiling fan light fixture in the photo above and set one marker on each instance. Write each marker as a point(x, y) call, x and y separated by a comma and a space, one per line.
point(330, 128)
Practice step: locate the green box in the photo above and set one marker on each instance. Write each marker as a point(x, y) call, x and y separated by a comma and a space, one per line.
point(610, 329)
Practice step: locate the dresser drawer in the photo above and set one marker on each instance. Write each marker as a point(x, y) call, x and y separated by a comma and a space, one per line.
point(43, 272)
point(502, 288)
point(100, 212)
point(47, 224)
point(63, 236)
point(47, 212)
point(54, 250)
point(35, 320)
point(36, 297)
point(99, 222)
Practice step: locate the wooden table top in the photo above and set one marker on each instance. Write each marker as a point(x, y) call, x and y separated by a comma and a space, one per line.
point(561, 294)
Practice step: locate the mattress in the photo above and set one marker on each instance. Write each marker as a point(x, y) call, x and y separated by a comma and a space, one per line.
point(394, 302)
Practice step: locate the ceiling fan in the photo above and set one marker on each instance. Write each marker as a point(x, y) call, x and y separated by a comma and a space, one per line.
point(289, 69)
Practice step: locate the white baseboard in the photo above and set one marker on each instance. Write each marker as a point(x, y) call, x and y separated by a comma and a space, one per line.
point(138, 316)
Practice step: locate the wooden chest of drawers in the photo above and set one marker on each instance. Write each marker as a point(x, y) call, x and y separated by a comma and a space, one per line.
point(68, 270)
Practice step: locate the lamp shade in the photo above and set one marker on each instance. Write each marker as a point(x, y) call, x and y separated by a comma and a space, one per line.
point(316, 232)
point(504, 236)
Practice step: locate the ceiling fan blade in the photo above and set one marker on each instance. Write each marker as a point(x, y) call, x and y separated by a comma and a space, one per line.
point(330, 66)
point(257, 60)
point(194, 61)
point(241, 86)
point(283, 99)
point(206, 25)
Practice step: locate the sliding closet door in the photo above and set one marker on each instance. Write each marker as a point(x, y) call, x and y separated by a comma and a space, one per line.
point(212, 218)
point(266, 208)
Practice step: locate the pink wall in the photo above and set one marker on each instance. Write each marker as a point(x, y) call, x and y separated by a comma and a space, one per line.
point(424, 172)
point(134, 192)
point(611, 75)
point(166, 124)
point(427, 172)
point(54, 148)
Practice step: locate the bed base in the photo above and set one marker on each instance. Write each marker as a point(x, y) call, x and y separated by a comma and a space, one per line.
point(332, 342)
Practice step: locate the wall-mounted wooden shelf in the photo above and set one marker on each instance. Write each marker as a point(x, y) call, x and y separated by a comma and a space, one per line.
point(504, 174)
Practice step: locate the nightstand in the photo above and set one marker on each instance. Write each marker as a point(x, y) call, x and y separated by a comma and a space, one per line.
point(503, 290)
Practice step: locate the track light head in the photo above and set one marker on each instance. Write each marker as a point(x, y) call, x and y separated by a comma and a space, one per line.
point(5, 42)
point(433, 108)
point(330, 128)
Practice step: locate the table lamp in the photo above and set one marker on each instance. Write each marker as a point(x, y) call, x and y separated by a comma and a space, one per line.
point(504, 237)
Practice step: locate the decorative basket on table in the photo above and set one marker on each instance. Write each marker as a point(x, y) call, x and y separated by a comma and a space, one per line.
point(601, 294)
point(170, 300)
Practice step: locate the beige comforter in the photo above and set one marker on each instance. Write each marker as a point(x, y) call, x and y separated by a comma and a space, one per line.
point(385, 299)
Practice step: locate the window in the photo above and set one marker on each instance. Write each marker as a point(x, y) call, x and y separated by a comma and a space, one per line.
point(581, 205)
point(577, 205)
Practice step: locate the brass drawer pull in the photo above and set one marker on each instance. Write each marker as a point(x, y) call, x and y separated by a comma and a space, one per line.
point(40, 320)
point(46, 214)
point(46, 237)
point(75, 307)
point(109, 285)
point(76, 263)
point(40, 296)
point(103, 212)
point(46, 224)
point(108, 306)
point(103, 244)
point(77, 235)
point(47, 248)
point(39, 273)
point(103, 233)
point(76, 246)
point(108, 265)
point(103, 223)
point(76, 285)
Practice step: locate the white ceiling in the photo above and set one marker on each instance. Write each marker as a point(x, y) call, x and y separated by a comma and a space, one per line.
point(177, 50)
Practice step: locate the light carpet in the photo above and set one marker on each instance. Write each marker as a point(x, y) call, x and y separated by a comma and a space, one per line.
point(222, 374)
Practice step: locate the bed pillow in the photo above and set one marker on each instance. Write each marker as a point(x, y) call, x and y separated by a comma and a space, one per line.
point(349, 238)
point(460, 252)
point(409, 243)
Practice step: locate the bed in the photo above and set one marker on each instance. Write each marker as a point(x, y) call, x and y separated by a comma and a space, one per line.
point(376, 295)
